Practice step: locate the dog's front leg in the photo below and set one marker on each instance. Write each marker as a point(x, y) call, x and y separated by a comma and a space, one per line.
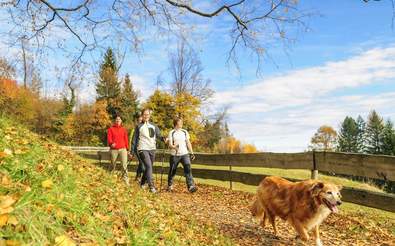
point(316, 233)
point(301, 230)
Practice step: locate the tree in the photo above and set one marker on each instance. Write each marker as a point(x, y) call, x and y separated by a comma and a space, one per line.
point(348, 136)
point(388, 138)
point(229, 145)
point(213, 131)
point(249, 148)
point(373, 133)
point(187, 107)
point(129, 101)
point(324, 139)
point(7, 71)
point(163, 111)
point(361, 134)
point(108, 87)
point(91, 23)
point(186, 73)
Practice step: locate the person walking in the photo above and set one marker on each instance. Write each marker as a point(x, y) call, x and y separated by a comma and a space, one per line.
point(144, 144)
point(117, 139)
point(140, 165)
point(181, 151)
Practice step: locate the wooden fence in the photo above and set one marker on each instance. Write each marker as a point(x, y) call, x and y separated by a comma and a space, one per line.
point(370, 166)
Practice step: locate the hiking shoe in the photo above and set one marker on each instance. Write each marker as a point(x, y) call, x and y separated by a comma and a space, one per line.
point(143, 187)
point(152, 190)
point(170, 188)
point(192, 189)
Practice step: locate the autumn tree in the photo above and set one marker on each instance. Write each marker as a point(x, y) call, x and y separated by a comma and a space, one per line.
point(249, 148)
point(163, 111)
point(373, 133)
point(348, 136)
point(7, 71)
point(213, 131)
point(324, 139)
point(108, 87)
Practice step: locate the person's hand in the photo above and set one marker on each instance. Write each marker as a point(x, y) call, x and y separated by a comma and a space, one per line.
point(130, 156)
point(113, 145)
point(192, 157)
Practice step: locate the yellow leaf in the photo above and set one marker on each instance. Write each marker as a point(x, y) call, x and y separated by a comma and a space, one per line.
point(6, 210)
point(47, 184)
point(12, 243)
point(3, 219)
point(12, 220)
point(5, 180)
point(6, 201)
point(64, 241)
point(60, 168)
point(27, 188)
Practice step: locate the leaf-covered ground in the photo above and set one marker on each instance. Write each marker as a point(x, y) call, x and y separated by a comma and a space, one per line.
point(228, 211)
point(50, 196)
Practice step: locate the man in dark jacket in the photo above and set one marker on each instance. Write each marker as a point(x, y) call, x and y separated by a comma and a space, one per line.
point(144, 143)
point(117, 139)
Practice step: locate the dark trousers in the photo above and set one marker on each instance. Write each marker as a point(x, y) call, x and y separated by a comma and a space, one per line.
point(140, 167)
point(148, 158)
point(186, 163)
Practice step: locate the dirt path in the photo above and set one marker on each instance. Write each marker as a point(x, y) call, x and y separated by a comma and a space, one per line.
point(228, 211)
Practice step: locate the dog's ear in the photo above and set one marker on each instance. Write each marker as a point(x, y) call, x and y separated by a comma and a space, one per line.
point(316, 188)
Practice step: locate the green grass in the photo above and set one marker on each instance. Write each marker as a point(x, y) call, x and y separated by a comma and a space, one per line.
point(84, 204)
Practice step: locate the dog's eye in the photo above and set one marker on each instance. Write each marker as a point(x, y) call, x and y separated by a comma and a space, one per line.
point(329, 192)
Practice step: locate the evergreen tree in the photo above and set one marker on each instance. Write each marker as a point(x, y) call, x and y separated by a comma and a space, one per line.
point(108, 87)
point(388, 139)
point(129, 101)
point(373, 133)
point(361, 134)
point(348, 136)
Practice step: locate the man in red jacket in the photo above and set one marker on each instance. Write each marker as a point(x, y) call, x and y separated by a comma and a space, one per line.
point(117, 139)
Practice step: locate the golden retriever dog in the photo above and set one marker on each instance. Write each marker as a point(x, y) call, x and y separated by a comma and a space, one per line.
point(303, 204)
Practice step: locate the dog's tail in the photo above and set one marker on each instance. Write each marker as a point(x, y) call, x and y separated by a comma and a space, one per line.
point(257, 208)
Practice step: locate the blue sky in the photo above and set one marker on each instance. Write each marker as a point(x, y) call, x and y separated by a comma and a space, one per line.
point(345, 65)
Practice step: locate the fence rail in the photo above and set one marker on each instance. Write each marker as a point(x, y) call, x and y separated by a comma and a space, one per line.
point(370, 166)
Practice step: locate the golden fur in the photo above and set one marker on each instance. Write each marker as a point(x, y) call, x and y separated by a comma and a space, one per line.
point(303, 204)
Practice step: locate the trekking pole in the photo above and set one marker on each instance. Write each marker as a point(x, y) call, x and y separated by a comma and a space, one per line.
point(161, 170)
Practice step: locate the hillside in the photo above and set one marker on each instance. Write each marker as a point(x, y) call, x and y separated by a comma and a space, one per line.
point(51, 196)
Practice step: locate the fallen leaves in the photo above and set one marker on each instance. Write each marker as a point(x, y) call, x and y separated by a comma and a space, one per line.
point(47, 184)
point(64, 240)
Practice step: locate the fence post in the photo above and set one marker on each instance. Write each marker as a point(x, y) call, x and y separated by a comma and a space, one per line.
point(314, 172)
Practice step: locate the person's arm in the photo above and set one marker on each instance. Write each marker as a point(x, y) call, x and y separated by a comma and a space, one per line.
point(189, 146)
point(109, 137)
point(159, 135)
point(135, 137)
point(170, 140)
point(126, 139)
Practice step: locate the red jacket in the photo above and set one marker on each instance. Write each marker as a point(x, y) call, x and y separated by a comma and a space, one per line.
point(118, 135)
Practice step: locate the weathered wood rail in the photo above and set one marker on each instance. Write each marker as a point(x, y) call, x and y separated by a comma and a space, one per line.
point(371, 166)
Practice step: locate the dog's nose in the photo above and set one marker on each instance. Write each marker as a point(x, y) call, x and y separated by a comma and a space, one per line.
point(339, 202)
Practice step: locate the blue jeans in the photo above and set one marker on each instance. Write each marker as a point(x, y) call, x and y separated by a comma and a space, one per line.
point(186, 163)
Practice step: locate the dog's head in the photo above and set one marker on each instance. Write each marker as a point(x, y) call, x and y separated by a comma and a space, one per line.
point(327, 194)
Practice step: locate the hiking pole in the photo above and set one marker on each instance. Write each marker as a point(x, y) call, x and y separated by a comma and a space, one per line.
point(161, 170)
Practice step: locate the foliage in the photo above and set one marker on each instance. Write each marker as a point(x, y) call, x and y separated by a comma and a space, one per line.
point(108, 87)
point(373, 133)
point(50, 196)
point(348, 136)
point(324, 139)
point(388, 139)
point(129, 102)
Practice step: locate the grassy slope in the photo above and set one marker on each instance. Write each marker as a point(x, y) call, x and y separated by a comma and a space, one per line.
point(61, 198)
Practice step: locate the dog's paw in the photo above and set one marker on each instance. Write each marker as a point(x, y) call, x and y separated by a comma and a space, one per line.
point(318, 242)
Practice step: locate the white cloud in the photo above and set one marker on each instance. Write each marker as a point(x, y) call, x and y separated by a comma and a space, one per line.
point(302, 86)
point(282, 112)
